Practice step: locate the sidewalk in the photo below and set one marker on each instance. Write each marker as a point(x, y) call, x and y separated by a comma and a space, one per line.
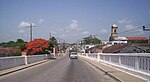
point(14, 69)
point(114, 73)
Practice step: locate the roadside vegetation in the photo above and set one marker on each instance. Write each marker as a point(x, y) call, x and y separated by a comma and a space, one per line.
point(34, 47)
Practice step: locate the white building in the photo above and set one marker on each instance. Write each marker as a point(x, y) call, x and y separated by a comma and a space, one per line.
point(119, 40)
point(114, 39)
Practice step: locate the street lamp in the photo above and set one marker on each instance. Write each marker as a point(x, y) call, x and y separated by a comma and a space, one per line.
point(144, 29)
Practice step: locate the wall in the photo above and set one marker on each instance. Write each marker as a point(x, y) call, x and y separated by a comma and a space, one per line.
point(8, 62)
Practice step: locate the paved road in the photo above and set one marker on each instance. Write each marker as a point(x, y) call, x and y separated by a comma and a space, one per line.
point(61, 70)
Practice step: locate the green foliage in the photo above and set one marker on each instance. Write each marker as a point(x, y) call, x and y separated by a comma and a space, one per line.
point(43, 52)
point(19, 43)
point(53, 41)
point(91, 40)
point(17, 54)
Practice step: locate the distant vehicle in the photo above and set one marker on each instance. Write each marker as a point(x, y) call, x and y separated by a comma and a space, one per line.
point(73, 55)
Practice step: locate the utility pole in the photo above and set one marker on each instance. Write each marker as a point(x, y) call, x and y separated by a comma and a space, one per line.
point(50, 35)
point(146, 29)
point(31, 26)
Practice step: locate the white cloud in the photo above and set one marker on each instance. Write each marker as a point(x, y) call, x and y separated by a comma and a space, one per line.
point(129, 26)
point(103, 31)
point(24, 24)
point(73, 26)
point(71, 30)
point(124, 21)
point(85, 33)
point(33, 24)
point(21, 31)
point(40, 21)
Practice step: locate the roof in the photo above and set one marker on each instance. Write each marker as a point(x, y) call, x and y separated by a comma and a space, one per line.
point(137, 38)
point(114, 25)
point(97, 48)
point(115, 47)
point(125, 48)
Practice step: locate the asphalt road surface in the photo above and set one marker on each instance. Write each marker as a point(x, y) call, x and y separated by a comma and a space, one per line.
point(60, 70)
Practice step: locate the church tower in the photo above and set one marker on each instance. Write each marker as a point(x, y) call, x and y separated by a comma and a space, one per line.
point(114, 32)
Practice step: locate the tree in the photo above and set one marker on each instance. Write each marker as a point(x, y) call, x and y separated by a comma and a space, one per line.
point(52, 43)
point(37, 46)
point(91, 40)
point(20, 41)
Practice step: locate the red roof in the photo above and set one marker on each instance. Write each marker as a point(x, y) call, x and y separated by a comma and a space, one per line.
point(114, 48)
point(137, 38)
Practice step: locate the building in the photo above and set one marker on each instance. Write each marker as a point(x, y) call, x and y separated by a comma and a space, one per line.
point(114, 33)
point(115, 39)
point(105, 41)
point(137, 39)
point(84, 48)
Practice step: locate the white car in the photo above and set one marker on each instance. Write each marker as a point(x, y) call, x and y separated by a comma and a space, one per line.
point(73, 55)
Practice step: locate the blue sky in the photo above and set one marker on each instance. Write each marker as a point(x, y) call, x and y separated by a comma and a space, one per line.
point(72, 20)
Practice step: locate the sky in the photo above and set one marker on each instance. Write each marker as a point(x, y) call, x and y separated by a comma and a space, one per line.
point(72, 20)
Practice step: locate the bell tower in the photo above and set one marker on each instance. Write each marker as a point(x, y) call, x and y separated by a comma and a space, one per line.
point(114, 32)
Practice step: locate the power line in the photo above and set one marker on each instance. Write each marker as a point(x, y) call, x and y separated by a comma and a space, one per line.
point(134, 29)
point(129, 30)
point(31, 26)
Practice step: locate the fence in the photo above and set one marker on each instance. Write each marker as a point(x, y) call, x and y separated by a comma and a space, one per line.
point(8, 62)
point(32, 59)
point(135, 63)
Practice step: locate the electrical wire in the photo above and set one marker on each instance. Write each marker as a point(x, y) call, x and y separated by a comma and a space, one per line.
point(137, 29)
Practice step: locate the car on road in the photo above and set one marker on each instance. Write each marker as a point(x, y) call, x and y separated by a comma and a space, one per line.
point(73, 55)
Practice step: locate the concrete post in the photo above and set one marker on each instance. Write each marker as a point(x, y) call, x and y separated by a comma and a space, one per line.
point(25, 60)
point(119, 60)
point(98, 57)
point(45, 56)
point(137, 63)
point(54, 51)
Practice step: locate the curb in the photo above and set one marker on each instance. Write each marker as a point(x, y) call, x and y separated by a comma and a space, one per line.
point(106, 73)
point(12, 71)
